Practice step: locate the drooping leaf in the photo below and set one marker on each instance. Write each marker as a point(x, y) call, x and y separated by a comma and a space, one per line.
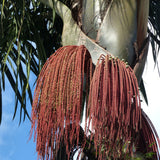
point(18, 45)
point(19, 97)
point(143, 90)
point(154, 27)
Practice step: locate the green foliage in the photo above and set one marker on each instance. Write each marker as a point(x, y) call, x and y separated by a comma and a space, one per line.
point(27, 38)
point(154, 27)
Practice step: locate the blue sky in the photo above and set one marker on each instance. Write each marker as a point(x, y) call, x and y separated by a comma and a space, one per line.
point(14, 138)
point(14, 144)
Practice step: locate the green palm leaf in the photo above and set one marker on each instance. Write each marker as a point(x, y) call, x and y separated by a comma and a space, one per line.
point(154, 27)
point(27, 38)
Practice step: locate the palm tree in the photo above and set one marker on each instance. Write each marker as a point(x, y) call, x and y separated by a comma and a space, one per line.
point(57, 107)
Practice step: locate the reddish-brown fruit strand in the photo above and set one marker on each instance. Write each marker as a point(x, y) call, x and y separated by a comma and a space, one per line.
point(58, 100)
point(112, 107)
point(148, 138)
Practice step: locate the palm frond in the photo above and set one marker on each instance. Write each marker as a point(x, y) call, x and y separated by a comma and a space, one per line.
point(27, 38)
point(154, 27)
point(143, 91)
